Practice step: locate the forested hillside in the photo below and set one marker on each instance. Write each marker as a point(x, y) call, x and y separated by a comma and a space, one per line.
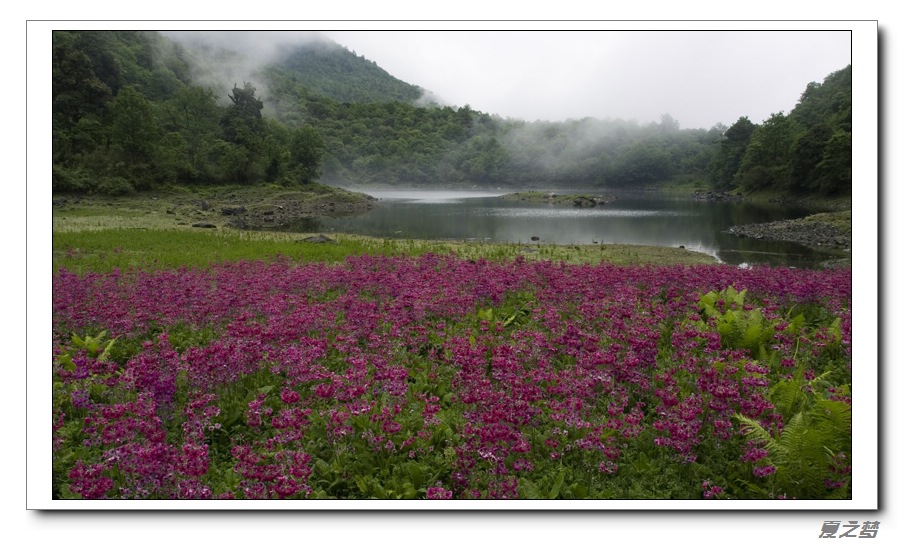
point(130, 113)
point(328, 69)
point(806, 151)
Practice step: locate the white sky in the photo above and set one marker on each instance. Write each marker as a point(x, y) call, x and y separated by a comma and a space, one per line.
point(699, 78)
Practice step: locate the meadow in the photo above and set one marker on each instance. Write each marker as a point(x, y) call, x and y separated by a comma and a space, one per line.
point(250, 367)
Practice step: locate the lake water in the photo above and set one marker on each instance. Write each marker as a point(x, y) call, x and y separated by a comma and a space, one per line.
point(633, 218)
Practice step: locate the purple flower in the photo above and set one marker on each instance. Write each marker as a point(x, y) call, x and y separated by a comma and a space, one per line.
point(438, 493)
point(289, 396)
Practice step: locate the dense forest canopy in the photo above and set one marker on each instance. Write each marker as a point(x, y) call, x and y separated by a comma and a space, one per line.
point(130, 112)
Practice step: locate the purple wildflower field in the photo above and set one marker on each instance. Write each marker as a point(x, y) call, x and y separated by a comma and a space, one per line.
point(436, 377)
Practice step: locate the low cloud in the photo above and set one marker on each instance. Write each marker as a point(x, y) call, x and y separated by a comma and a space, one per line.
point(227, 58)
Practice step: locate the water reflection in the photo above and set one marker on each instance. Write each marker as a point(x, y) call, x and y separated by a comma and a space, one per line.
point(638, 218)
point(552, 211)
point(304, 225)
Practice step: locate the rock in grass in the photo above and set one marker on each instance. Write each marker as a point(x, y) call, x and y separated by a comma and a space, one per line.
point(204, 225)
point(318, 239)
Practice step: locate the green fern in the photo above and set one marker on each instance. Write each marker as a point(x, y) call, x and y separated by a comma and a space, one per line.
point(806, 447)
point(789, 396)
point(738, 328)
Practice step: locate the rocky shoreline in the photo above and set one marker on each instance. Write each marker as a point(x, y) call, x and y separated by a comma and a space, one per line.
point(717, 196)
point(578, 201)
point(282, 210)
point(806, 231)
point(237, 207)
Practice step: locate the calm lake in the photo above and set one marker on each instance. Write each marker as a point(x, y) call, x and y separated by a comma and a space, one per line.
point(633, 218)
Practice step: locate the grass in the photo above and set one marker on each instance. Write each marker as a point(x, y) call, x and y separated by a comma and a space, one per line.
point(841, 220)
point(105, 249)
point(176, 208)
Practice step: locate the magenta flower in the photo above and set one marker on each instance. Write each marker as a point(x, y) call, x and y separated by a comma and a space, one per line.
point(289, 396)
point(391, 427)
point(438, 493)
point(299, 377)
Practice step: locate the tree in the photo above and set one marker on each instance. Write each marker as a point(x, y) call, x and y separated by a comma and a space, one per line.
point(767, 159)
point(134, 130)
point(193, 114)
point(306, 154)
point(808, 152)
point(644, 162)
point(77, 91)
point(484, 159)
point(731, 151)
point(243, 122)
point(243, 126)
point(828, 102)
point(833, 173)
point(668, 125)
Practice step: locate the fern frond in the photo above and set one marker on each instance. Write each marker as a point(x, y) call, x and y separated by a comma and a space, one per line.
point(753, 431)
point(793, 440)
point(787, 396)
point(833, 419)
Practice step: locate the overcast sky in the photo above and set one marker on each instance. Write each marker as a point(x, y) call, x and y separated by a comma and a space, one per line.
point(699, 78)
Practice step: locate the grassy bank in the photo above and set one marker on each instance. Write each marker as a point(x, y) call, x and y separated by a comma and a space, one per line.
point(101, 250)
point(841, 219)
point(237, 206)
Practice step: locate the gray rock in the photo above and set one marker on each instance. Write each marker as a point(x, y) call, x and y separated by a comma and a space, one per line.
point(318, 239)
point(812, 234)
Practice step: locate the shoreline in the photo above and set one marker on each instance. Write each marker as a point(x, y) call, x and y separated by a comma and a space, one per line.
point(815, 231)
point(551, 197)
point(826, 230)
point(258, 207)
point(269, 208)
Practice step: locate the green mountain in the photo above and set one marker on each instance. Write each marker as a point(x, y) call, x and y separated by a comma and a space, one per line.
point(325, 68)
point(137, 110)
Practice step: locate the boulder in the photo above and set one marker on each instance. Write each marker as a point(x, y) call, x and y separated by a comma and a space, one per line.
point(318, 239)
